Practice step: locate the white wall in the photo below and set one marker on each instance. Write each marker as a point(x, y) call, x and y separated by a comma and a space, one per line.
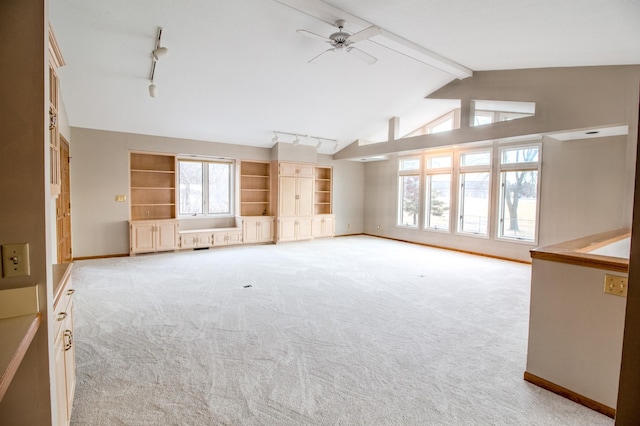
point(581, 193)
point(575, 330)
point(100, 171)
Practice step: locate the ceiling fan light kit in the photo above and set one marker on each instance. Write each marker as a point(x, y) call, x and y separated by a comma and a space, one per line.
point(157, 53)
point(342, 41)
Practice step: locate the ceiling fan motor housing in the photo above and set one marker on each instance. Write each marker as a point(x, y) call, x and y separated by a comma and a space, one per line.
point(340, 38)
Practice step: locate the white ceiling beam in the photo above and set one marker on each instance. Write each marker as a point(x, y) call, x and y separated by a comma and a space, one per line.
point(330, 14)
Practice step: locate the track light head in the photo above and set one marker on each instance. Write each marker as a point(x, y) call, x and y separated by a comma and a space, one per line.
point(296, 141)
point(319, 143)
point(153, 90)
point(160, 52)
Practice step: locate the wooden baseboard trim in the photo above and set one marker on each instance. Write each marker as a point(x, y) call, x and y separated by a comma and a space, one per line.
point(104, 256)
point(452, 249)
point(569, 394)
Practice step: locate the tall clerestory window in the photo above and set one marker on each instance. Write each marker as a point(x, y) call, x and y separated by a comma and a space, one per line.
point(438, 170)
point(518, 202)
point(475, 192)
point(409, 192)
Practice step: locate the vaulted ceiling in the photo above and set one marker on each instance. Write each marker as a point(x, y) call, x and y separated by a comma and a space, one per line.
point(237, 70)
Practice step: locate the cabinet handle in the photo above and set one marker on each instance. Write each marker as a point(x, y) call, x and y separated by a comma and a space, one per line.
point(61, 316)
point(70, 292)
point(69, 334)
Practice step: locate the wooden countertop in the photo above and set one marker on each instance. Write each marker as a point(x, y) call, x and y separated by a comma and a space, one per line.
point(17, 334)
point(61, 272)
point(577, 252)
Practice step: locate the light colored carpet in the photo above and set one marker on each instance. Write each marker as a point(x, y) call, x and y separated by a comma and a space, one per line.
point(348, 331)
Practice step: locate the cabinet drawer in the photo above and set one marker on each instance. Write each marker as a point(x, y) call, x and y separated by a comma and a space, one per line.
point(63, 305)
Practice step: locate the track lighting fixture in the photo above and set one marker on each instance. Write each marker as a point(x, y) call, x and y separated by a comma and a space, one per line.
point(160, 52)
point(157, 53)
point(153, 90)
point(297, 139)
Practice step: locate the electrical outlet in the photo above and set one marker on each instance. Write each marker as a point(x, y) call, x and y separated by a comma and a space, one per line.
point(614, 284)
point(15, 260)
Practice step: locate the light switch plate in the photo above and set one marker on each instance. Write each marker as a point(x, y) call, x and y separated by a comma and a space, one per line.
point(15, 260)
point(121, 198)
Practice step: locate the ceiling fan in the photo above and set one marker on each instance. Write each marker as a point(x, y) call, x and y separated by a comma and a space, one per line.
point(342, 41)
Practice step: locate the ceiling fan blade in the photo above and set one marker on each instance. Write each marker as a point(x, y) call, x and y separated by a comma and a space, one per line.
point(313, 35)
point(364, 34)
point(363, 56)
point(317, 58)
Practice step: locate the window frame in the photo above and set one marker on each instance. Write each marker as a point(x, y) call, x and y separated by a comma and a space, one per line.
point(204, 163)
point(400, 190)
point(462, 170)
point(516, 167)
point(435, 171)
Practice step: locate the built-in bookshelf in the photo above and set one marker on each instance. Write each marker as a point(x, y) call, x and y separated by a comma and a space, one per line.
point(323, 187)
point(255, 188)
point(153, 186)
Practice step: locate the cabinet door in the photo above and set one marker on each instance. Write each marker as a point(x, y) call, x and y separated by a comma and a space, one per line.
point(305, 228)
point(219, 238)
point(287, 196)
point(187, 241)
point(166, 236)
point(69, 359)
point(287, 229)
point(265, 230)
point(288, 169)
point(306, 170)
point(61, 379)
point(142, 237)
point(234, 237)
point(316, 227)
point(250, 230)
point(328, 226)
point(203, 239)
point(305, 197)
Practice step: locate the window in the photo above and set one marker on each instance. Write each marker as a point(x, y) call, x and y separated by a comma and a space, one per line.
point(518, 202)
point(205, 188)
point(409, 193)
point(474, 196)
point(438, 199)
point(444, 123)
point(487, 112)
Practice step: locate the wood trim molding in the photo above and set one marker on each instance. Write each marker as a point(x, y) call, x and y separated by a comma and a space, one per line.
point(569, 394)
point(576, 252)
point(475, 253)
point(54, 48)
point(104, 256)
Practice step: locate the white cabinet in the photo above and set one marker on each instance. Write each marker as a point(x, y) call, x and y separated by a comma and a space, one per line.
point(227, 237)
point(323, 226)
point(197, 239)
point(64, 347)
point(296, 196)
point(296, 169)
point(257, 229)
point(147, 236)
point(295, 228)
